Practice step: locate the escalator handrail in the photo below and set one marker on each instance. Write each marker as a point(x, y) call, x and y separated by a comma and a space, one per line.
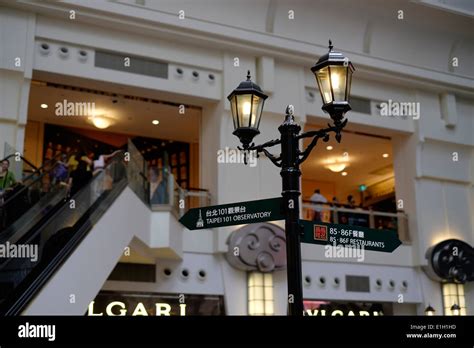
point(56, 207)
point(23, 158)
point(29, 290)
point(23, 189)
point(39, 277)
point(39, 177)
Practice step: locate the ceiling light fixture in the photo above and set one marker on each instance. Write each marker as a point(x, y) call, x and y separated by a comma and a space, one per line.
point(336, 168)
point(101, 122)
point(336, 164)
point(155, 122)
point(385, 155)
point(344, 173)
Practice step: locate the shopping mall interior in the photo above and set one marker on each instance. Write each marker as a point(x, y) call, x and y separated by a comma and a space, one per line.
point(356, 174)
point(112, 124)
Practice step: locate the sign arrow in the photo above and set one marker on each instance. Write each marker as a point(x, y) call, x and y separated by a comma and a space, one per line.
point(233, 214)
point(350, 236)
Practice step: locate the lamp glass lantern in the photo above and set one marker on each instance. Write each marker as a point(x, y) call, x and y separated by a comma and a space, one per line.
point(333, 73)
point(430, 311)
point(455, 309)
point(246, 104)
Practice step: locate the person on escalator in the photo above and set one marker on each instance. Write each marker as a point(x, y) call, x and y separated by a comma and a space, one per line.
point(7, 182)
point(60, 171)
point(79, 177)
point(102, 162)
point(102, 174)
point(7, 178)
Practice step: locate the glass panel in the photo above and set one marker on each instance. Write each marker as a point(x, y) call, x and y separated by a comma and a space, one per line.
point(338, 82)
point(322, 77)
point(16, 163)
point(137, 171)
point(269, 308)
point(257, 104)
point(233, 108)
point(259, 112)
point(349, 83)
point(244, 107)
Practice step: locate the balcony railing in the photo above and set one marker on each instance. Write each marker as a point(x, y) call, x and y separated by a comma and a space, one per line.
point(164, 194)
point(342, 214)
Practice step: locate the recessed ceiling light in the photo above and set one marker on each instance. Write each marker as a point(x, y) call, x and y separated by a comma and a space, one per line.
point(385, 155)
point(329, 147)
point(155, 122)
point(344, 173)
point(44, 106)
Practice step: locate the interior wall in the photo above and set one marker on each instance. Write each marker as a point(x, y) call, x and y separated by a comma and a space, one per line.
point(33, 148)
point(194, 165)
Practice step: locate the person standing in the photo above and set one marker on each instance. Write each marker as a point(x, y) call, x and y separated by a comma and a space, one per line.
point(317, 197)
point(7, 178)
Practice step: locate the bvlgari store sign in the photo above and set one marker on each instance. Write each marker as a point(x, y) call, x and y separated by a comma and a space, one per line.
point(331, 308)
point(109, 303)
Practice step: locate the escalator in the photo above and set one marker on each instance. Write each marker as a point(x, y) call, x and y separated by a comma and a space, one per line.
point(31, 198)
point(46, 236)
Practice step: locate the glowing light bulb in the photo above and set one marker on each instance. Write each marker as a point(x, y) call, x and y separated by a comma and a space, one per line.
point(335, 80)
point(246, 109)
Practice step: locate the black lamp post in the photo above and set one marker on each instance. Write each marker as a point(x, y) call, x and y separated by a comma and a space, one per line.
point(333, 72)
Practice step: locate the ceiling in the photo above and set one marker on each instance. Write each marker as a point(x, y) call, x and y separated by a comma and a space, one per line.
point(365, 163)
point(130, 115)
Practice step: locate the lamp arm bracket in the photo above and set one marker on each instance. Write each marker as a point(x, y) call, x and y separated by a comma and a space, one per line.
point(259, 148)
point(319, 134)
point(262, 148)
point(275, 160)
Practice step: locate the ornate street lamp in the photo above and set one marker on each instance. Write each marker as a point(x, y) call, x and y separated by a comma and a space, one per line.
point(334, 74)
point(430, 311)
point(246, 102)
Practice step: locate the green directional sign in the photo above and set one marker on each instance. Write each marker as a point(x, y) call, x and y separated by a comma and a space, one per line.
point(233, 214)
point(350, 236)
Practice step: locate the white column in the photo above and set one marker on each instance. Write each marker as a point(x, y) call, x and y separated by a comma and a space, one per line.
point(17, 30)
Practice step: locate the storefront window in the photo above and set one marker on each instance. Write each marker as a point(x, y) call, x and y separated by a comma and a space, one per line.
point(111, 303)
point(260, 293)
point(453, 294)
